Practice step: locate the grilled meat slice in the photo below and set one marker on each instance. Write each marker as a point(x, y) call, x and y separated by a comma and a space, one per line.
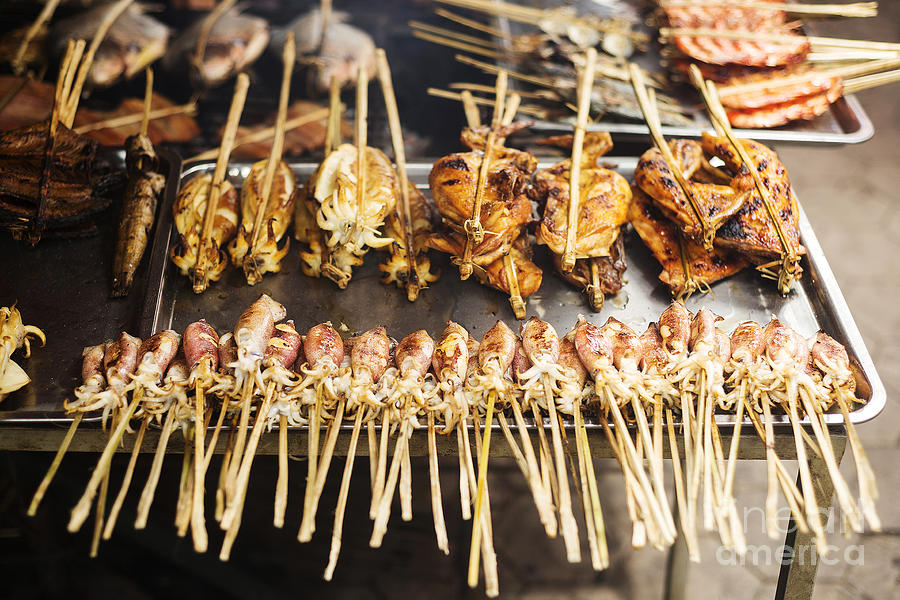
point(773, 115)
point(528, 274)
point(751, 231)
point(676, 253)
point(715, 202)
point(781, 85)
point(604, 198)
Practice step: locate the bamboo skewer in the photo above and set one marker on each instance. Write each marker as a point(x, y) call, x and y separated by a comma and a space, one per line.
point(589, 498)
point(567, 523)
point(813, 516)
point(149, 491)
point(859, 84)
point(574, 208)
point(476, 25)
point(67, 117)
point(251, 261)
point(651, 116)
point(267, 133)
point(281, 486)
point(473, 118)
point(308, 522)
point(199, 275)
point(223, 470)
point(54, 466)
point(488, 556)
point(475, 100)
point(384, 75)
point(98, 523)
point(449, 33)
point(540, 492)
point(380, 464)
point(82, 509)
point(126, 482)
point(816, 42)
point(337, 531)
point(790, 261)
point(680, 498)
point(480, 500)
point(373, 452)
point(312, 448)
point(856, 9)
point(383, 512)
point(18, 61)
point(868, 491)
point(437, 507)
point(453, 43)
point(115, 122)
point(362, 111)
point(473, 227)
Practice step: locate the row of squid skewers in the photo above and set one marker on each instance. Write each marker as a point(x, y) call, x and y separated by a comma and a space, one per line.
point(661, 388)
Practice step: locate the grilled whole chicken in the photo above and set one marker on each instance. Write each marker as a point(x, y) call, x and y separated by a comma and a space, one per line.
point(687, 266)
point(279, 213)
point(604, 196)
point(189, 211)
point(505, 207)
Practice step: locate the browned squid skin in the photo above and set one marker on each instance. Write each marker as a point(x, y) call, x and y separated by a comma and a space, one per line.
point(157, 351)
point(92, 362)
point(520, 363)
point(256, 324)
point(653, 356)
point(747, 342)
point(371, 352)
point(227, 353)
point(284, 346)
point(703, 331)
point(323, 344)
point(723, 346)
point(780, 342)
point(414, 353)
point(675, 329)
point(540, 340)
point(451, 354)
point(568, 359)
point(472, 344)
point(499, 344)
point(121, 357)
point(829, 356)
point(626, 344)
point(594, 348)
point(201, 345)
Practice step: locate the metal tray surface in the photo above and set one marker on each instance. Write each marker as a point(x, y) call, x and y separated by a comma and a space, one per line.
point(845, 123)
point(816, 303)
point(62, 286)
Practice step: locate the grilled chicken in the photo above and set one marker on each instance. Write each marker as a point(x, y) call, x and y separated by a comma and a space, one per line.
point(189, 211)
point(687, 266)
point(505, 208)
point(604, 196)
point(279, 213)
point(716, 203)
point(598, 277)
point(751, 231)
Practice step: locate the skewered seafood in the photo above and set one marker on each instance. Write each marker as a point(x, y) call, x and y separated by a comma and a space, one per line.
point(144, 186)
point(14, 334)
point(279, 213)
point(338, 52)
point(134, 41)
point(604, 200)
point(685, 364)
point(422, 219)
point(233, 43)
point(190, 213)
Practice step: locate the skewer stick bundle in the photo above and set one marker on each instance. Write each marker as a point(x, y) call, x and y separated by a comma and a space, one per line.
point(584, 105)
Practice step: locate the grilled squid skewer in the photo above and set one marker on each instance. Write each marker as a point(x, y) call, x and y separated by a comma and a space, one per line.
point(369, 359)
point(189, 211)
point(93, 382)
point(541, 345)
point(324, 352)
point(280, 355)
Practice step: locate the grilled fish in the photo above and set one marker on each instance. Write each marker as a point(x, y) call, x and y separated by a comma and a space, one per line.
point(235, 42)
point(138, 210)
point(339, 53)
point(134, 41)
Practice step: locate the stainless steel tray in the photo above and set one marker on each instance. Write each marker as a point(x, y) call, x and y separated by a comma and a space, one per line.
point(845, 123)
point(815, 304)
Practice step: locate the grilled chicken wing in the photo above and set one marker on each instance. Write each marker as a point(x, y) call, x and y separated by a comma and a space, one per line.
point(686, 265)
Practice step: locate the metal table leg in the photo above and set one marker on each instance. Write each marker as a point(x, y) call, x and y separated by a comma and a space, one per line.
point(797, 575)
